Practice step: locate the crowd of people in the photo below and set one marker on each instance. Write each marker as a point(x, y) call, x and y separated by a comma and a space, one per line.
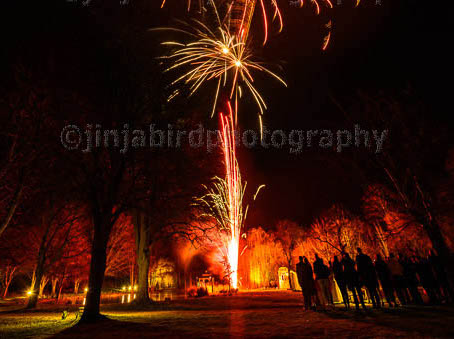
point(396, 279)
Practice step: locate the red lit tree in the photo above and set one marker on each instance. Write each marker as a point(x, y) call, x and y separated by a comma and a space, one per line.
point(337, 231)
point(59, 230)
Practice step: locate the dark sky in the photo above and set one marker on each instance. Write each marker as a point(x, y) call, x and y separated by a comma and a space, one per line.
point(372, 48)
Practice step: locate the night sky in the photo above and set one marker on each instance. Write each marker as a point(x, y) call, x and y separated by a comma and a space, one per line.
point(373, 48)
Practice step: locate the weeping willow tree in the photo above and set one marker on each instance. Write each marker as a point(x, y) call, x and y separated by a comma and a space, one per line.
point(261, 259)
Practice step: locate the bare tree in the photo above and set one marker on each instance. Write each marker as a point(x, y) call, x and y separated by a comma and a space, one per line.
point(7, 275)
point(56, 232)
point(338, 231)
point(412, 178)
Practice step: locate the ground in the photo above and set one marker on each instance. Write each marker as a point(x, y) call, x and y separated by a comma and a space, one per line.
point(251, 315)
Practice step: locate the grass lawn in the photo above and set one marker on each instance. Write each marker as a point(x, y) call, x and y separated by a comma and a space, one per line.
point(252, 315)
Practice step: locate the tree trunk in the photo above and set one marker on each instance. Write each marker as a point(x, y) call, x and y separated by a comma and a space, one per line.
point(97, 270)
point(33, 299)
point(42, 285)
point(131, 271)
point(62, 281)
point(54, 286)
point(142, 232)
point(76, 286)
point(9, 274)
point(13, 204)
point(40, 265)
point(142, 292)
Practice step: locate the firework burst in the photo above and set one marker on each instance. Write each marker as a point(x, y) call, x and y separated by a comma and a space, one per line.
point(216, 56)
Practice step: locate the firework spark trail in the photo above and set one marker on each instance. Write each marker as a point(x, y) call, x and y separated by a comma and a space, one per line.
point(328, 36)
point(224, 202)
point(235, 192)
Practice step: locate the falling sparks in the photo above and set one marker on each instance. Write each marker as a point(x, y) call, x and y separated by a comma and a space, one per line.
point(328, 36)
point(317, 5)
point(239, 14)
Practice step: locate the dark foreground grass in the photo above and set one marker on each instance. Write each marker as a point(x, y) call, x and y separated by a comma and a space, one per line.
point(272, 314)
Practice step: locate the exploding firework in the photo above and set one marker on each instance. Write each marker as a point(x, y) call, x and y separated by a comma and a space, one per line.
point(216, 55)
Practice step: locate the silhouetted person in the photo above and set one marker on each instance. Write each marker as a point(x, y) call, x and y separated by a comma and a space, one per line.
point(299, 273)
point(411, 279)
point(322, 277)
point(340, 279)
point(397, 276)
point(405, 284)
point(332, 285)
point(384, 274)
point(351, 277)
point(367, 275)
point(306, 280)
point(427, 278)
point(441, 276)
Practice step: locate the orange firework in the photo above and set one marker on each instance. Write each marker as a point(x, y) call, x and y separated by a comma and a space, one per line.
point(235, 193)
point(224, 202)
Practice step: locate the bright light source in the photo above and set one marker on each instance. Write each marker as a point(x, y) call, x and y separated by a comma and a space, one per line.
point(29, 292)
point(123, 288)
point(135, 287)
point(238, 63)
point(130, 288)
point(86, 289)
point(225, 50)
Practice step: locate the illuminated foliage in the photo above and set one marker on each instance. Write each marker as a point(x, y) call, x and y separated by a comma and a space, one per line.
point(260, 260)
